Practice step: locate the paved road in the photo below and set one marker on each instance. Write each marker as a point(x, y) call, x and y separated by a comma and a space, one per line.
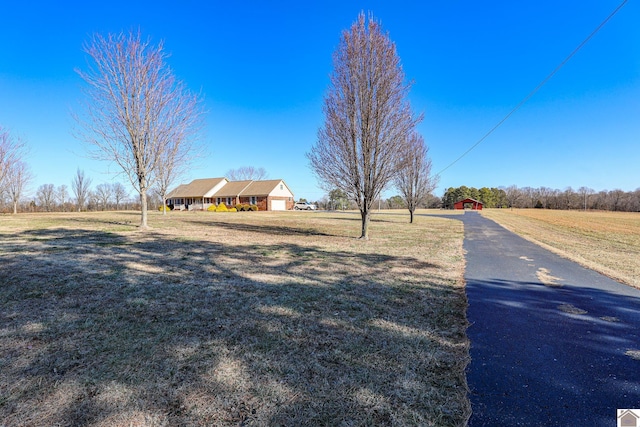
point(551, 342)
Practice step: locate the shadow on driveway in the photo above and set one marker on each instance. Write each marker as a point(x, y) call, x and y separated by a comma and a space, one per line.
point(565, 353)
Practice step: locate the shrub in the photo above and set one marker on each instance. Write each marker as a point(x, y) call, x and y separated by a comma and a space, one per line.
point(222, 208)
point(253, 208)
point(212, 208)
point(166, 208)
point(233, 210)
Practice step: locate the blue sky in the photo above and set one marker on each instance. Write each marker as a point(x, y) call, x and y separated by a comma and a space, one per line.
point(263, 70)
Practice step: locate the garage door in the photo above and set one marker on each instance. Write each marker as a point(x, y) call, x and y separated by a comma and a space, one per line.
point(278, 205)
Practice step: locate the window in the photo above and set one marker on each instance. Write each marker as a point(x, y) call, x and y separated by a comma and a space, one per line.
point(218, 201)
point(253, 200)
point(229, 200)
point(281, 187)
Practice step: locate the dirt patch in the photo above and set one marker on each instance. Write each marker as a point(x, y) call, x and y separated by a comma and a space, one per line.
point(547, 278)
point(634, 354)
point(571, 309)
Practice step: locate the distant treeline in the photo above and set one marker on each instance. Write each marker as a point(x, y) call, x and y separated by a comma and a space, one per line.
point(546, 198)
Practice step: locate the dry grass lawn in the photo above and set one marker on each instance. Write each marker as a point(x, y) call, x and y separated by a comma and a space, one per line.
point(245, 319)
point(608, 242)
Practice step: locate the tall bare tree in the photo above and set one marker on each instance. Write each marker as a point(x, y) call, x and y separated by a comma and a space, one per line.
point(514, 195)
point(244, 173)
point(176, 160)
point(46, 195)
point(414, 180)
point(11, 151)
point(103, 194)
point(136, 108)
point(80, 187)
point(119, 193)
point(585, 192)
point(17, 178)
point(62, 194)
point(367, 117)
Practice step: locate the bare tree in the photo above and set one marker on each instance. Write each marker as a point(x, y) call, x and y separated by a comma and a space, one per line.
point(176, 159)
point(103, 195)
point(119, 193)
point(585, 192)
point(62, 194)
point(246, 173)
point(136, 108)
point(80, 187)
point(17, 178)
point(46, 195)
point(11, 151)
point(414, 179)
point(514, 195)
point(93, 201)
point(367, 118)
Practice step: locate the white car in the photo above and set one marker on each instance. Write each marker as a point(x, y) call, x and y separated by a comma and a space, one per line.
point(304, 206)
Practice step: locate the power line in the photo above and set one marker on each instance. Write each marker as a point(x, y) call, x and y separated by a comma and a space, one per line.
point(537, 88)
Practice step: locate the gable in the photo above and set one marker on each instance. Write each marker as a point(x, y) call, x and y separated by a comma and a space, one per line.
point(273, 187)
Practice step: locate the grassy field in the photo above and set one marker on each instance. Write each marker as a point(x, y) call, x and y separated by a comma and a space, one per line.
point(231, 319)
point(608, 242)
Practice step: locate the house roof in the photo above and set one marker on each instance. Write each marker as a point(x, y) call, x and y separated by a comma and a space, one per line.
point(225, 188)
point(628, 413)
point(232, 189)
point(469, 200)
point(261, 188)
point(196, 188)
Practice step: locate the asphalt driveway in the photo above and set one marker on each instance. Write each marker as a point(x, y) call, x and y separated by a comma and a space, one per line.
point(552, 343)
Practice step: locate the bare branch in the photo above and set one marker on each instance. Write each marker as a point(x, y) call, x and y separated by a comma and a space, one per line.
point(245, 173)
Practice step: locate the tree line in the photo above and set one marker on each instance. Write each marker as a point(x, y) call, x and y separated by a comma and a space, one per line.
point(584, 198)
point(79, 196)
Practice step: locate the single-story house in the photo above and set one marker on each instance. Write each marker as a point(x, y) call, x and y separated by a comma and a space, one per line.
point(199, 194)
point(468, 203)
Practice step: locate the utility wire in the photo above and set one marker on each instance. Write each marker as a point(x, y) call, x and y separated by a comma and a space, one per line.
point(533, 92)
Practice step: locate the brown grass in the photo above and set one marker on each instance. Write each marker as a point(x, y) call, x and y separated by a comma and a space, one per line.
point(231, 320)
point(608, 242)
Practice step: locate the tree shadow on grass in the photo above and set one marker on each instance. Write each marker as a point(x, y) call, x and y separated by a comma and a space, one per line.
point(115, 329)
point(265, 229)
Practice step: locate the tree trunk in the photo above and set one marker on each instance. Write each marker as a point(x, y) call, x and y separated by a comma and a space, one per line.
point(366, 214)
point(411, 216)
point(143, 207)
point(15, 208)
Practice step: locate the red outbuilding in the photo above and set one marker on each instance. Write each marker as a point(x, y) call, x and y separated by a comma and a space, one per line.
point(468, 204)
